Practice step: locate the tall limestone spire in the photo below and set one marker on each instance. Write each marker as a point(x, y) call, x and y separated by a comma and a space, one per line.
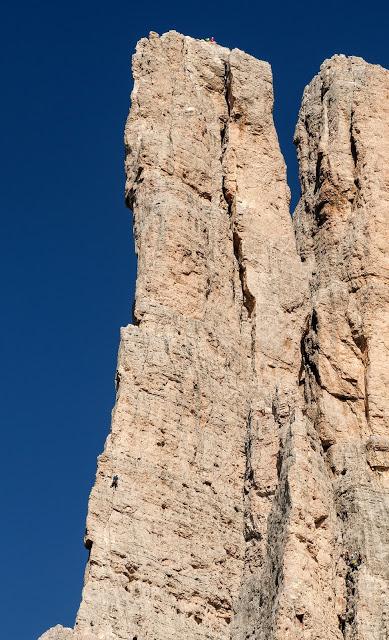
point(250, 431)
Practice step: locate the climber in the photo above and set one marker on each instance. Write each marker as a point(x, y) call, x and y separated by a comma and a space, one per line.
point(355, 560)
point(212, 40)
point(115, 480)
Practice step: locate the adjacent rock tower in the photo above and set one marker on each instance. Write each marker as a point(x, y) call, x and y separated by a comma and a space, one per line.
point(250, 435)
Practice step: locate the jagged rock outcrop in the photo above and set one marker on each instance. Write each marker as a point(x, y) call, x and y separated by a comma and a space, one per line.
point(249, 434)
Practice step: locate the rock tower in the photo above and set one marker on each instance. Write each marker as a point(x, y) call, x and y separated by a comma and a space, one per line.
point(250, 434)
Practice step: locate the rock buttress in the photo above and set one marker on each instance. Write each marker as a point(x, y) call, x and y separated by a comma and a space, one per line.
point(167, 545)
point(207, 375)
point(342, 230)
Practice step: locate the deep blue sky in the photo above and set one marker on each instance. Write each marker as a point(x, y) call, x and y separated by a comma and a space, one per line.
point(68, 266)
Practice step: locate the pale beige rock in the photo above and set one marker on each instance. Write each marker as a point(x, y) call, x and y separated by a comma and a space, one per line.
point(250, 430)
point(211, 359)
point(342, 229)
point(58, 633)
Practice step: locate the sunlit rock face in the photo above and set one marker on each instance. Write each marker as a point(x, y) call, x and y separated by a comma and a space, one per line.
point(342, 227)
point(250, 432)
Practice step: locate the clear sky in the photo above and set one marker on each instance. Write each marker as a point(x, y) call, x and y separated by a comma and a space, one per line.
point(67, 260)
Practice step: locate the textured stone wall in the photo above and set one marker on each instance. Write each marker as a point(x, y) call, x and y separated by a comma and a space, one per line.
point(342, 227)
point(250, 430)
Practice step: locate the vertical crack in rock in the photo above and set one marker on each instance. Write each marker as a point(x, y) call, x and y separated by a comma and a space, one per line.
point(229, 195)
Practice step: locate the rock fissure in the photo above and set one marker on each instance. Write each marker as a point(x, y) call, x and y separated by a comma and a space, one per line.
point(248, 298)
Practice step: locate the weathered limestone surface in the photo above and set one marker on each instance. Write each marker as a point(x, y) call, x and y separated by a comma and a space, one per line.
point(342, 230)
point(58, 633)
point(250, 431)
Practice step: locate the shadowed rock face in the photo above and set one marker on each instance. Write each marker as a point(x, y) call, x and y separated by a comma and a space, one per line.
point(249, 434)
